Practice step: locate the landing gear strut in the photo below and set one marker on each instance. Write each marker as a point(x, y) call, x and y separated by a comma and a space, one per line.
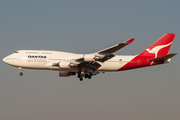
point(21, 73)
point(80, 76)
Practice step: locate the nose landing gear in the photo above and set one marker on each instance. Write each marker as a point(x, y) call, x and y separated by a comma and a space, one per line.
point(20, 73)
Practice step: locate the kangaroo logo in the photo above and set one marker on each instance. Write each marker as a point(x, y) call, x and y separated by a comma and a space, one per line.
point(156, 49)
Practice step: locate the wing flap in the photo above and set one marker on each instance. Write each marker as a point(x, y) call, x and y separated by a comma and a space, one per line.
point(90, 66)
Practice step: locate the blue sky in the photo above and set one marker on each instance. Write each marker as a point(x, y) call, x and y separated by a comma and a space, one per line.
point(85, 27)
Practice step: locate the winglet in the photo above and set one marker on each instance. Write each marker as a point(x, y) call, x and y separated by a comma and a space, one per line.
point(130, 40)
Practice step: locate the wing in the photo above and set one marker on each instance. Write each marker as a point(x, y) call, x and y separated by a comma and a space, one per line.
point(116, 47)
point(107, 53)
point(89, 62)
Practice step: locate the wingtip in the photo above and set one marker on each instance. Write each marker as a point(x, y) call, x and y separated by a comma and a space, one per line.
point(175, 53)
point(130, 40)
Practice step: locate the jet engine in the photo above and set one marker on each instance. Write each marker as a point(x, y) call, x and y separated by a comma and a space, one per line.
point(92, 57)
point(89, 58)
point(66, 73)
point(64, 64)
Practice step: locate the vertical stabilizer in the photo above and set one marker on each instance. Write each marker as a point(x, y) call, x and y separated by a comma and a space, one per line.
point(153, 55)
point(160, 47)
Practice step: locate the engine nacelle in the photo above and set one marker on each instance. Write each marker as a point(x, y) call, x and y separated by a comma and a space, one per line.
point(97, 57)
point(95, 73)
point(64, 64)
point(89, 57)
point(92, 57)
point(66, 74)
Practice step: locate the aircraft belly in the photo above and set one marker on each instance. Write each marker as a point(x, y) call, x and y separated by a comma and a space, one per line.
point(110, 66)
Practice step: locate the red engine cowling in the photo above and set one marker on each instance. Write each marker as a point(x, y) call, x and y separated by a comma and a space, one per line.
point(66, 73)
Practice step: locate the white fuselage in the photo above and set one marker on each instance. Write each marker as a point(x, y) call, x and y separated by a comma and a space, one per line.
point(44, 60)
point(87, 65)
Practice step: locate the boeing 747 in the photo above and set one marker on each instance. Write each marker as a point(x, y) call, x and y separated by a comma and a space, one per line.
point(87, 65)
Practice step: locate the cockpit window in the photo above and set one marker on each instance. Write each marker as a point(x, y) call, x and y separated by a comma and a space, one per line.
point(16, 52)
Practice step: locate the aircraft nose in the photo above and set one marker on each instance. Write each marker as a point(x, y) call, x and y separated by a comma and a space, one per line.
point(4, 60)
point(7, 61)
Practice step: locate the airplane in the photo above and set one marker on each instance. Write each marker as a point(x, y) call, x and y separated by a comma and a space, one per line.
point(88, 65)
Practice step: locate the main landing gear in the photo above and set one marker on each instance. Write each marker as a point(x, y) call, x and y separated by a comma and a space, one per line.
point(80, 76)
point(85, 75)
point(20, 73)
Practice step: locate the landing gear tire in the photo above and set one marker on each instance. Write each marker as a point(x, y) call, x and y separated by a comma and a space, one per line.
point(90, 75)
point(81, 79)
point(86, 75)
point(79, 76)
point(21, 73)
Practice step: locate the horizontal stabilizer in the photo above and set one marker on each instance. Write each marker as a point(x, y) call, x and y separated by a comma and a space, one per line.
point(163, 58)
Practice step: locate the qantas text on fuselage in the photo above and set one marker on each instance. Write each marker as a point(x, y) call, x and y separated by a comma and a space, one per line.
point(87, 65)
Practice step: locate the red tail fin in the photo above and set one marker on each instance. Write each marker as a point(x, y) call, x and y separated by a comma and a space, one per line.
point(160, 47)
point(152, 55)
